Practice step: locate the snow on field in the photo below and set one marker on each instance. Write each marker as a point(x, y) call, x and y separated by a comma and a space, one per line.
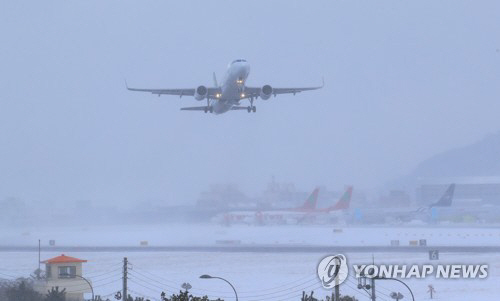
point(256, 276)
point(165, 235)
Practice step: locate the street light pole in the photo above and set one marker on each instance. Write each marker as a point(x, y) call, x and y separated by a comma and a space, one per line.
point(88, 282)
point(213, 277)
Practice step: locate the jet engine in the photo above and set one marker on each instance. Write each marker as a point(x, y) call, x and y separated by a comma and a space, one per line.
point(266, 92)
point(200, 93)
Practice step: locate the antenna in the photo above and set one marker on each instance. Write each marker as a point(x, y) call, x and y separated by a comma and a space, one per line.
point(39, 251)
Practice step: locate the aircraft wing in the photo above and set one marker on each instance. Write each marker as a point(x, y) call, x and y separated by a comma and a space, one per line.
point(178, 92)
point(255, 91)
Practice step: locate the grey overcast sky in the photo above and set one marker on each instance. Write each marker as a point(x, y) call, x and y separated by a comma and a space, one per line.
point(404, 80)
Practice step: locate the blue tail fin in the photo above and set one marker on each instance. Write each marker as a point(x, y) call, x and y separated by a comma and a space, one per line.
point(446, 199)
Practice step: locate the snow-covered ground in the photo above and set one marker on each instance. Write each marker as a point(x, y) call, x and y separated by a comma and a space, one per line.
point(167, 235)
point(257, 276)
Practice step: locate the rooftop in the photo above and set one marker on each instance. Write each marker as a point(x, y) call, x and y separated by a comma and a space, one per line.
point(64, 259)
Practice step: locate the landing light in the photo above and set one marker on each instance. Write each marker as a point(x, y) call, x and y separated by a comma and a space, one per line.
point(242, 95)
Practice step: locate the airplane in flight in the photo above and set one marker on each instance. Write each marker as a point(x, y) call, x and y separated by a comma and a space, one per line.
point(227, 96)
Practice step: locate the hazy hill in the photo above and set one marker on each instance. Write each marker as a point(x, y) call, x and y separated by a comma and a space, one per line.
point(481, 158)
point(478, 159)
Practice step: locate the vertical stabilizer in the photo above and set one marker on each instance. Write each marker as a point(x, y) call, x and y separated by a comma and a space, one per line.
point(215, 81)
point(446, 199)
point(311, 201)
point(344, 202)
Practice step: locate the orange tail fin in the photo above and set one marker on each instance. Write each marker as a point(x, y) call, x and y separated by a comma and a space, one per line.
point(344, 201)
point(311, 201)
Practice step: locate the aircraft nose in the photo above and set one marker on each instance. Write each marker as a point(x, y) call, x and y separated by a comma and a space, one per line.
point(247, 68)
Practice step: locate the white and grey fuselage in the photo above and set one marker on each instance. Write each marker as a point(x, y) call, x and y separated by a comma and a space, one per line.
point(232, 88)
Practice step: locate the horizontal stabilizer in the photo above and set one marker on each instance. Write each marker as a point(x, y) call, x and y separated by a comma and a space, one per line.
point(239, 108)
point(194, 108)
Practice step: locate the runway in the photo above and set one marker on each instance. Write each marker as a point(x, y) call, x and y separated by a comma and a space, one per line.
point(259, 249)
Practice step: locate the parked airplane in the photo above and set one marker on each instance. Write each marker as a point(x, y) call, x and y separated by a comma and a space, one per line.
point(467, 211)
point(226, 97)
point(308, 216)
point(305, 213)
point(430, 212)
point(444, 201)
point(251, 217)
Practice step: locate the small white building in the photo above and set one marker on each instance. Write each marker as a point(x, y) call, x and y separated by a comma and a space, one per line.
point(64, 272)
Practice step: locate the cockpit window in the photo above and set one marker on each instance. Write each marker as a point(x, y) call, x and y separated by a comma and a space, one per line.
point(237, 61)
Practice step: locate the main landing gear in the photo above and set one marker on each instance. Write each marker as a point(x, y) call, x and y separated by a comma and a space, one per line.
point(209, 108)
point(251, 108)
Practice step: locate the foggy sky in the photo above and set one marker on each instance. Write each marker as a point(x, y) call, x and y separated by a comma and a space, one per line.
point(404, 81)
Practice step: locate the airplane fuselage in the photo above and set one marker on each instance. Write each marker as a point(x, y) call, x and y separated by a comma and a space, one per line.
point(232, 88)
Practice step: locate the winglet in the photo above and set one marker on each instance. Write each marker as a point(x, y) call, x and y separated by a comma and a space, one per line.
point(126, 84)
point(322, 81)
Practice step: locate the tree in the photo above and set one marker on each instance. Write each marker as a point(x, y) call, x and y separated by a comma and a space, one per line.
point(38, 274)
point(184, 296)
point(22, 291)
point(306, 297)
point(55, 295)
point(348, 298)
point(4, 285)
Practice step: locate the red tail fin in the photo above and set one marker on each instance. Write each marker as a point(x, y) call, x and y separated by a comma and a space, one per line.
point(343, 202)
point(311, 201)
